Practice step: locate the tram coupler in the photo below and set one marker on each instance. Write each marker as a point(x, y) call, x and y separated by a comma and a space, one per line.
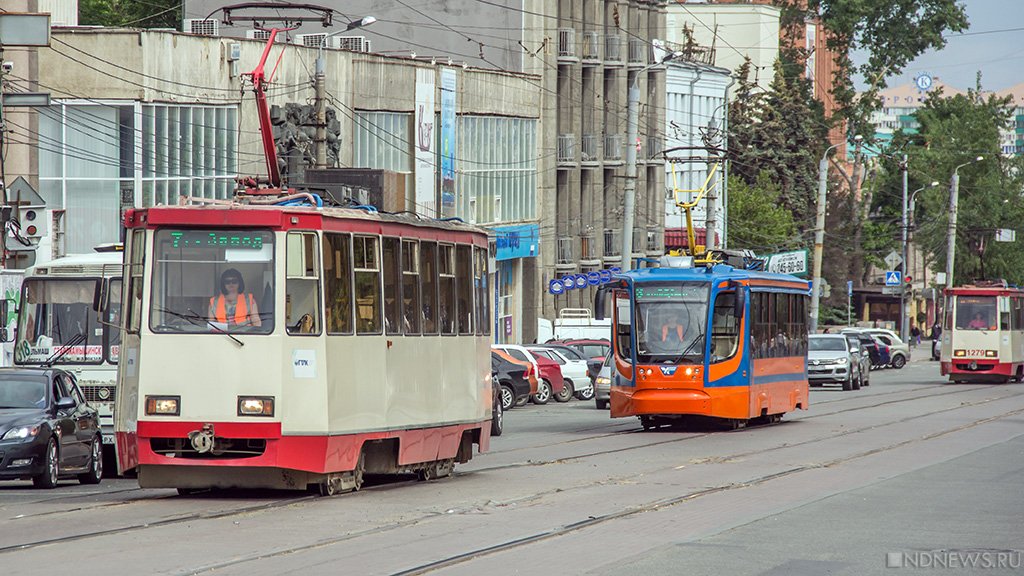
point(202, 440)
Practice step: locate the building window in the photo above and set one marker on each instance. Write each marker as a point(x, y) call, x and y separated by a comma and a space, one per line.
point(383, 140)
point(496, 169)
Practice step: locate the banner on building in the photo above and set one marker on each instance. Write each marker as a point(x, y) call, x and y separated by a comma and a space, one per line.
point(448, 143)
point(426, 203)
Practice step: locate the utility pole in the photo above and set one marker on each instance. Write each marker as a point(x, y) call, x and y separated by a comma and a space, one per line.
point(819, 238)
point(954, 200)
point(904, 317)
point(629, 190)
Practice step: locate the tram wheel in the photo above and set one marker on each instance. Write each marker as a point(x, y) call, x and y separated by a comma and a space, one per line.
point(648, 422)
point(435, 470)
point(737, 423)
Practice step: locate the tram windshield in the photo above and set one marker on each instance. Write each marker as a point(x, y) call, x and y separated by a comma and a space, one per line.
point(213, 281)
point(976, 313)
point(670, 321)
point(57, 316)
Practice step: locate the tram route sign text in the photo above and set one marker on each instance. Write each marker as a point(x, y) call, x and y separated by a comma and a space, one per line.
point(794, 263)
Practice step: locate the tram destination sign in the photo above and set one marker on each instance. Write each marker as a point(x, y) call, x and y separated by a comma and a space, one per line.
point(794, 263)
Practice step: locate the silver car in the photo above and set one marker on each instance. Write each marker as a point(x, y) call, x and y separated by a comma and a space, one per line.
point(829, 360)
point(603, 384)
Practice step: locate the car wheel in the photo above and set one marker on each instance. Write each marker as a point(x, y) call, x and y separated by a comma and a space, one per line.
point(498, 418)
point(898, 361)
point(601, 404)
point(48, 479)
point(586, 393)
point(566, 393)
point(508, 397)
point(848, 383)
point(543, 394)
point(95, 473)
point(855, 382)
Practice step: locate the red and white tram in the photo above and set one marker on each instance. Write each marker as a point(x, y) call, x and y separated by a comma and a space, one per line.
point(983, 333)
point(297, 347)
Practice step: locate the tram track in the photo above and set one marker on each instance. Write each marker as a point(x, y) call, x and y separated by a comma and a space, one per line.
point(304, 498)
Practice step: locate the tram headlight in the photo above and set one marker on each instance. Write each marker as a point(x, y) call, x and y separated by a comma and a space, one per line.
point(255, 405)
point(991, 354)
point(163, 405)
point(959, 353)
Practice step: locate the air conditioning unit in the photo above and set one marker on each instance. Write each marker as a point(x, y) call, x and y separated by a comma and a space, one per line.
point(263, 35)
point(353, 43)
point(201, 27)
point(314, 40)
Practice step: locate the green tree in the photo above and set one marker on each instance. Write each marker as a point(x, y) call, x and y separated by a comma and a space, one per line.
point(955, 130)
point(130, 13)
point(757, 220)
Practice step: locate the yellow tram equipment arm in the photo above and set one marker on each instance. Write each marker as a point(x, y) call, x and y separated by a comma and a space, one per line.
point(700, 255)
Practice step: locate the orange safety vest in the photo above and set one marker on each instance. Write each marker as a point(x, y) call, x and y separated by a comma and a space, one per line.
point(242, 306)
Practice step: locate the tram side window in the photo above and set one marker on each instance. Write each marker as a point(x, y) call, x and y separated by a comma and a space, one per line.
point(483, 299)
point(392, 303)
point(428, 285)
point(137, 257)
point(464, 287)
point(1004, 313)
point(337, 250)
point(1018, 314)
point(112, 329)
point(411, 311)
point(367, 285)
point(302, 286)
point(760, 328)
point(446, 283)
point(724, 328)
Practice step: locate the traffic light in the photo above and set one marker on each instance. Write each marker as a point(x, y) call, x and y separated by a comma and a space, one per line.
point(33, 222)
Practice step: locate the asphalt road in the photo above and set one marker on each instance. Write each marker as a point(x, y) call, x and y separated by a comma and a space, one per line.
point(905, 473)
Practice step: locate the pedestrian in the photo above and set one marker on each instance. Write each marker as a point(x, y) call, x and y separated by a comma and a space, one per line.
point(915, 333)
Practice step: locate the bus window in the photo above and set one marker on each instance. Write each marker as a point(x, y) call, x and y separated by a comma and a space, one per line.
point(464, 288)
point(392, 303)
point(302, 284)
point(411, 310)
point(975, 312)
point(57, 316)
point(367, 285)
point(112, 331)
point(724, 328)
point(446, 283)
point(137, 257)
point(428, 285)
point(337, 250)
point(208, 281)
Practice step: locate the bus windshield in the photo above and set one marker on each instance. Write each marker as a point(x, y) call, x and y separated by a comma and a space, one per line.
point(670, 321)
point(57, 316)
point(976, 313)
point(210, 281)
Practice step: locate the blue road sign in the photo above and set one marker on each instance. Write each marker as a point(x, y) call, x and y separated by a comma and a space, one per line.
point(893, 278)
point(581, 280)
point(556, 286)
point(606, 275)
point(569, 282)
point(593, 278)
point(849, 287)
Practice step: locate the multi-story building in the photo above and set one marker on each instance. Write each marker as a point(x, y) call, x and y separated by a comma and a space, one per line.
point(899, 105)
point(1012, 136)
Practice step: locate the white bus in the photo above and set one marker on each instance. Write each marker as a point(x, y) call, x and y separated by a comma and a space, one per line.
point(57, 324)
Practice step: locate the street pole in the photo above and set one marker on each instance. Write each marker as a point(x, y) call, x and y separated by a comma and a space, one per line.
point(629, 200)
point(319, 81)
point(904, 317)
point(819, 238)
point(954, 199)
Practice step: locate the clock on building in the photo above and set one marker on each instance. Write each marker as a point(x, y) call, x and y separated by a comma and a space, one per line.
point(923, 81)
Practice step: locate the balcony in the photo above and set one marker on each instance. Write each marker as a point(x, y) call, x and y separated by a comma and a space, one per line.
point(655, 146)
point(566, 257)
point(613, 149)
point(639, 243)
point(654, 243)
point(612, 246)
point(567, 53)
point(591, 48)
point(590, 151)
point(637, 53)
point(567, 150)
point(612, 50)
point(589, 254)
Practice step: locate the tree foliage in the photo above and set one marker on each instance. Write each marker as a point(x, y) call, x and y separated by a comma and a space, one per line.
point(778, 134)
point(130, 13)
point(757, 220)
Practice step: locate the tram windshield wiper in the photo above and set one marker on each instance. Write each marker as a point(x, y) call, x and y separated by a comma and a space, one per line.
point(197, 320)
point(698, 338)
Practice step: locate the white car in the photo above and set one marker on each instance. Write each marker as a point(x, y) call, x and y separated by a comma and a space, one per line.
point(898, 349)
point(574, 370)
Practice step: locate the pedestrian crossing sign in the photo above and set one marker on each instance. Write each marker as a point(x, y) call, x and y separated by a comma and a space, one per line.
point(893, 278)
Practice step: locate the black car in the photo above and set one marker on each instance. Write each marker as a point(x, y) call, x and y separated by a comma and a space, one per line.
point(511, 377)
point(497, 410)
point(47, 429)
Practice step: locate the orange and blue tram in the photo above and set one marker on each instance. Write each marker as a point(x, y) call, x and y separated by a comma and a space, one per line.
point(710, 342)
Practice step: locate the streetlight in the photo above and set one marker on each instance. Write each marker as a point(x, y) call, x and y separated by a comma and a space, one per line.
point(320, 139)
point(819, 232)
point(904, 317)
point(954, 199)
point(632, 122)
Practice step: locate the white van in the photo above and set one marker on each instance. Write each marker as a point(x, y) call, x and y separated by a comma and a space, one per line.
point(574, 323)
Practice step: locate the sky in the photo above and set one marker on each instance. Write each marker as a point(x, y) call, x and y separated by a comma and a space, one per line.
point(999, 55)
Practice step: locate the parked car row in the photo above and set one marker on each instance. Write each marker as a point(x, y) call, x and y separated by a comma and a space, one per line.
point(847, 358)
point(540, 372)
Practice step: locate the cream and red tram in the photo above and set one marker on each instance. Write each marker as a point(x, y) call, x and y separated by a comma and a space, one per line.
point(361, 345)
